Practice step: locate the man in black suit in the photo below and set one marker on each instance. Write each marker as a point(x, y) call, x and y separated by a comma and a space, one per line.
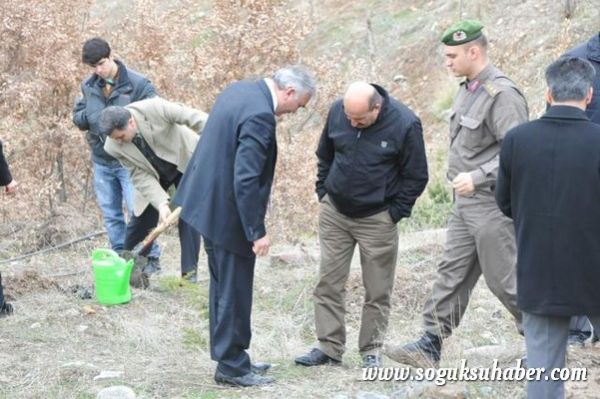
point(549, 184)
point(224, 195)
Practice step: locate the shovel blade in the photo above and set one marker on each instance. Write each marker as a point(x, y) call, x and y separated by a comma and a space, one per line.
point(138, 278)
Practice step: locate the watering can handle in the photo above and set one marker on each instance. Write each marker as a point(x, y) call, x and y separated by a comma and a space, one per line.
point(157, 231)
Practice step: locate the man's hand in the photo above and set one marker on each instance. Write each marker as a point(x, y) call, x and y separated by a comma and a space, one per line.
point(163, 212)
point(463, 184)
point(11, 187)
point(261, 246)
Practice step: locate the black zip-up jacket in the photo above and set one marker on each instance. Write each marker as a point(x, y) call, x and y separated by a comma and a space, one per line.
point(131, 87)
point(383, 166)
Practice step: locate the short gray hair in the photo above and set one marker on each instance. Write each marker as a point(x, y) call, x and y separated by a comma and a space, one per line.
point(570, 78)
point(113, 118)
point(298, 77)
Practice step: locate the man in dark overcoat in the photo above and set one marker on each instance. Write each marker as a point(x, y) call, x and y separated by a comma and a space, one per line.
point(224, 195)
point(549, 184)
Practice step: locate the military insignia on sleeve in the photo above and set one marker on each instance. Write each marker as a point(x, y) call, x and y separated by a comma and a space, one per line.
point(459, 35)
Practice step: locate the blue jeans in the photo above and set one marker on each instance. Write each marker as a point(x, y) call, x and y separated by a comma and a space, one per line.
point(113, 188)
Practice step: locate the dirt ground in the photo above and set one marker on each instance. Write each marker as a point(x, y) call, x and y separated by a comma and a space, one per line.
point(58, 345)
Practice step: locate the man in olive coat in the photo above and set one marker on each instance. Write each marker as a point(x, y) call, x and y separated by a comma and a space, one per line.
point(549, 184)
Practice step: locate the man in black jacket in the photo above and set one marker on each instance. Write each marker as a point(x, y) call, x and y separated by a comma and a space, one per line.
point(112, 83)
point(580, 329)
point(10, 186)
point(549, 184)
point(371, 169)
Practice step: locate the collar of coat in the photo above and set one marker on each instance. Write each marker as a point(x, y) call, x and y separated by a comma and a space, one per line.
point(386, 99)
point(122, 77)
point(565, 112)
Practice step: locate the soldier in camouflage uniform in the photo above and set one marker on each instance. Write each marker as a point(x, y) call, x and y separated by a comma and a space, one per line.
point(480, 239)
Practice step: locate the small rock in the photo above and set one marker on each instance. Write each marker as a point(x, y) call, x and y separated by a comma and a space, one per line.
point(291, 257)
point(116, 392)
point(82, 328)
point(370, 395)
point(35, 325)
point(106, 374)
point(400, 78)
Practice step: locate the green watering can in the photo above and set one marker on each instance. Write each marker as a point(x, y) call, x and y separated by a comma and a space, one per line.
point(111, 273)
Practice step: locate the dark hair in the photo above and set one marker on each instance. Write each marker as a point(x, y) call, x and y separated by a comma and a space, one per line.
point(113, 118)
point(94, 50)
point(570, 78)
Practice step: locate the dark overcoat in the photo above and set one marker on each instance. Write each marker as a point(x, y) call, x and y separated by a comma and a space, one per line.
point(549, 184)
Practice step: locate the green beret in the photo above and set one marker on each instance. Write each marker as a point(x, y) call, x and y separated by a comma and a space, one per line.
point(462, 32)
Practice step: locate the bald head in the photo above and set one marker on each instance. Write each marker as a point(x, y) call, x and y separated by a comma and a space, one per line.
point(362, 104)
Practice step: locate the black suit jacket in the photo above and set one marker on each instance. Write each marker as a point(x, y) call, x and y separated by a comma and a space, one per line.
point(225, 190)
point(549, 184)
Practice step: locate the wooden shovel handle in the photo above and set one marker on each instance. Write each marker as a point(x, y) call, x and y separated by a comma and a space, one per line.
point(160, 228)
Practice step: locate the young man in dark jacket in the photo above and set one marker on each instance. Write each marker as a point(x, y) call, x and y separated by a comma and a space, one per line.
point(112, 83)
point(371, 169)
point(549, 184)
point(10, 186)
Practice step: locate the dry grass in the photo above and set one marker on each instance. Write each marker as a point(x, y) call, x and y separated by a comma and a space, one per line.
point(54, 346)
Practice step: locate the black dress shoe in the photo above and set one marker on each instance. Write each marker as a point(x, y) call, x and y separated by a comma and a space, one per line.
point(248, 380)
point(315, 357)
point(260, 368)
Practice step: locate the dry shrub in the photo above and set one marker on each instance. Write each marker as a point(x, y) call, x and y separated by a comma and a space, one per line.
point(188, 53)
point(37, 84)
point(191, 49)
